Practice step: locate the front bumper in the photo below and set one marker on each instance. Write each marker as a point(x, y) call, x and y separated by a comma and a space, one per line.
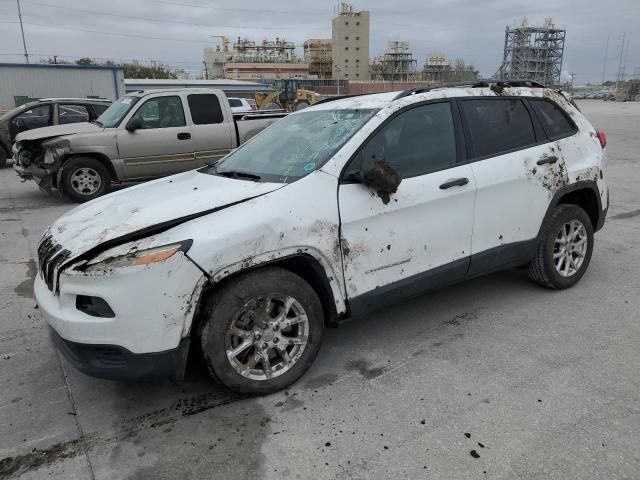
point(112, 362)
point(22, 172)
point(151, 307)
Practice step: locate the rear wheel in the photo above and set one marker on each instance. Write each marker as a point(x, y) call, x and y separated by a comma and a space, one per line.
point(85, 178)
point(565, 250)
point(261, 331)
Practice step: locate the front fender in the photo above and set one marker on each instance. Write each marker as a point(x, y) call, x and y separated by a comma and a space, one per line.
point(267, 258)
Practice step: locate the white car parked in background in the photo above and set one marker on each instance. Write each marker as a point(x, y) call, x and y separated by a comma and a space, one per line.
point(331, 212)
point(239, 105)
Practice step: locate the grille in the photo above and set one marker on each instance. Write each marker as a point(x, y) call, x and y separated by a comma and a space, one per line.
point(50, 257)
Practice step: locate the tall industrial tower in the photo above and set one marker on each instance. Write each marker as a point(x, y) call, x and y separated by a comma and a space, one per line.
point(350, 49)
point(533, 53)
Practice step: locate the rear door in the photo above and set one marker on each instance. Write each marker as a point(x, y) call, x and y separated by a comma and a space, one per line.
point(212, 134)
point(509, 156)
point(422, 237)
point(163, 145)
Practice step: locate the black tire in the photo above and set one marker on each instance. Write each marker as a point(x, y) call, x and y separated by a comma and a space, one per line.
point(3, 157)
point(73, 183)
point(542, 269)
point(226, 304)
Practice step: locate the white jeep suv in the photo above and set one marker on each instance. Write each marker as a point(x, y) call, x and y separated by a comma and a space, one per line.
point(332, 211)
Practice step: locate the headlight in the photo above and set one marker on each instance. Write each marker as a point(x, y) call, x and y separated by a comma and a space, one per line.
point(141, 257)
point(55, 150)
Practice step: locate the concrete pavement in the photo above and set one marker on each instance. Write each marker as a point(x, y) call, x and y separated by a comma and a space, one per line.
point(494, 378)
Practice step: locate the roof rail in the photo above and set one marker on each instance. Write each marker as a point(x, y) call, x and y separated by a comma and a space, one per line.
point(480, 83)
point(340, 97)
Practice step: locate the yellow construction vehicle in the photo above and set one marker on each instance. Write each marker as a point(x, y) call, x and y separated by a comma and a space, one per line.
point(286, 96)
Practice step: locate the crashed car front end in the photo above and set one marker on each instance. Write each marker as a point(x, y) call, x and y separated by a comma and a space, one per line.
point(99, 326)
point(40, 161)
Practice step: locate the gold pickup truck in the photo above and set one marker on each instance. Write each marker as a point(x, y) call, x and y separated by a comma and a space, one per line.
point(142, 136)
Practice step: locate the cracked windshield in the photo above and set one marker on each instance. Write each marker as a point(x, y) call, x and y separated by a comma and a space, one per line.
point(295, 146)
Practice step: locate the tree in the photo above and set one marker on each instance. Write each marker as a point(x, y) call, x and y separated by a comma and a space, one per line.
point(85, 61)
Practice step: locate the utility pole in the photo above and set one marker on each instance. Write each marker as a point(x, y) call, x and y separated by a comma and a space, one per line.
point(24, 43)
point(604, 65)
point(573, 75)
point(206, 72)
point(620, 76)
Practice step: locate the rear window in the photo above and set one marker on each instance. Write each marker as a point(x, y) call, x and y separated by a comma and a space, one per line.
point(498, 126)
point(555, 122)
point(205, 108)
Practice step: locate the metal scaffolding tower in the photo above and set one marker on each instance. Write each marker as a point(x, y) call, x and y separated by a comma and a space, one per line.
point(397, 63)
point(533, 53)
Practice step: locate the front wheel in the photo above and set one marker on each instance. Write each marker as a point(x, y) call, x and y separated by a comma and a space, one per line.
point(85, 178)
point(261, 331)
point(565, 250)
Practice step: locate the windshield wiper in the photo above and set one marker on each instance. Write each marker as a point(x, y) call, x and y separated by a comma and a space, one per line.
point(100, 124)
point(239, 174)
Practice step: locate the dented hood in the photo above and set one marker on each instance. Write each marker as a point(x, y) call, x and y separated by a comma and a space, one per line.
point(152, 206)
point(57, 131)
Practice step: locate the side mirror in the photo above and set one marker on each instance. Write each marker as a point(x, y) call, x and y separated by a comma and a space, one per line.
point(383, 179)
point(134, 124)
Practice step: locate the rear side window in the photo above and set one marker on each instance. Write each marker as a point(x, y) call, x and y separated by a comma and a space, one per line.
point(235, 102)
point(205, 109)
point(498, 126)
point(72, 114)
point(553, 119)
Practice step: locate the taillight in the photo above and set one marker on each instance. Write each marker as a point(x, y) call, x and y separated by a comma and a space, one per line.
point(603, 139)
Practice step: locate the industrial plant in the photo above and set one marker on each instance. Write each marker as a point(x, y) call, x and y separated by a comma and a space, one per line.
point(533, 52)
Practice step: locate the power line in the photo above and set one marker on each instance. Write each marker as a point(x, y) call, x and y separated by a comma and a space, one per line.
point(209, 7)
point(117, 34)
point(156, 20)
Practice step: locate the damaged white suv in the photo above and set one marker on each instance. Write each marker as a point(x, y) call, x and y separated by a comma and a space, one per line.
point(327, 214)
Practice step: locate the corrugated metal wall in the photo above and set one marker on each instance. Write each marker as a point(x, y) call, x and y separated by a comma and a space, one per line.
point(45, 81)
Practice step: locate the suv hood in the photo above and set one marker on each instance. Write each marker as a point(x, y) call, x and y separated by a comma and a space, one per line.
point(57, 131)
point(150, 207)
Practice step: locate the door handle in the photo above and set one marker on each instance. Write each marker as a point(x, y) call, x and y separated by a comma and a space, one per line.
point(456, 182)
point(544, 161)
point(184, 136)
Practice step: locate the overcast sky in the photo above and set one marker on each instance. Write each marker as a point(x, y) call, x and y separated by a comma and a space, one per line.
point(469, 29)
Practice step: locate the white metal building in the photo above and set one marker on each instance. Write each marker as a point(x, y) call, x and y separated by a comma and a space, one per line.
point(20, 82)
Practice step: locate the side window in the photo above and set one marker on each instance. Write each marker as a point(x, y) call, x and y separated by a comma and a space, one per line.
point(233, 102)
point(35, 118)
point(497, 126)
point(416, 142)
point(98, 109)
point(554, 121)
point(161, 112)
point(72, 114)
point(205, 108)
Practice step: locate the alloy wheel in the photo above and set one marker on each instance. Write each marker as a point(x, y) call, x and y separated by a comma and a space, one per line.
point(570, 248)
point(267, 337)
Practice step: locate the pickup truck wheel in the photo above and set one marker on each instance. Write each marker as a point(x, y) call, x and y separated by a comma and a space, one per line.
point(261, 331)
point(565, 250)
point(85, 178)
point(3, 157)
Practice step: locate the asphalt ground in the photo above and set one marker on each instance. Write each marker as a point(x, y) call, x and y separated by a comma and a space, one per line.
point(494, 378)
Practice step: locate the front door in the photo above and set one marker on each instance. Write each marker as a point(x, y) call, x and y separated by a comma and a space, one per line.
point(421, 237)
point(162, 146)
